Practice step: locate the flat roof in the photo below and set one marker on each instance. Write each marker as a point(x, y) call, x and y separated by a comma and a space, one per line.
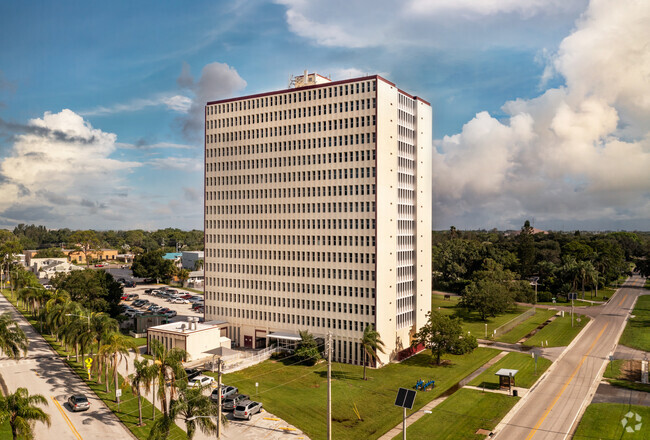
point(176, 327)
point(506, 372)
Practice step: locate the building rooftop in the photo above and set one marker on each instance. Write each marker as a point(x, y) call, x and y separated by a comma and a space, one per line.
point(183, 327)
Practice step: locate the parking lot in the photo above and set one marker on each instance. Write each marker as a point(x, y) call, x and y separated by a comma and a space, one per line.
point(183, 310)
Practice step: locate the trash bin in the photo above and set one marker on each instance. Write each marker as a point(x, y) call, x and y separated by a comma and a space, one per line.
point(515, 393)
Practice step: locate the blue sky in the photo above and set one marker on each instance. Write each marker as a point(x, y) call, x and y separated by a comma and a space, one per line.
point(539, 106)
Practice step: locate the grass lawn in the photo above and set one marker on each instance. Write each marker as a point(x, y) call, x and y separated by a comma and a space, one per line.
point(558, 333)
point(5, 430)
point(636, 334)
point(284, 387)
point(603, 421)
point(625, 374)
point(128, 412)
point(461, 415)
point(526, 376)
point(514, 335)
point(471, 322)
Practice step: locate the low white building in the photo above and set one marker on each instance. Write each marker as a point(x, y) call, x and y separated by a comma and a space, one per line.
point(46, 268)
point(192, 336)
point(196, 278)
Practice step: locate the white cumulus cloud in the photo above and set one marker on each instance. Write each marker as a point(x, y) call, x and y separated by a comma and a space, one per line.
point(577, 153)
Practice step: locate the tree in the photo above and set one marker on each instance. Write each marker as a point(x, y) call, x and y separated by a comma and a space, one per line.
point(54, 252)
point(143, 377)
point(441, 334)
point(526, 250)
point(95, 290)
point(21, 410)
point(197, 410)
point(13, 340)
point(487, 298)
point(371, 343)
point(8, 251)
point(117, 347)
point(85, 242)
point(169, 368)
point(307, 350)
point(152, 265)
point(183, 275)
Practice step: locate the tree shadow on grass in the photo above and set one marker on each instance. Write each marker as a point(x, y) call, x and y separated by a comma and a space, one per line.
point(341, 375)
point(488, 385)
point(426, 361)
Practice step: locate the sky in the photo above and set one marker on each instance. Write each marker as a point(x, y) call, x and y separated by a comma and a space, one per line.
point(541, 107)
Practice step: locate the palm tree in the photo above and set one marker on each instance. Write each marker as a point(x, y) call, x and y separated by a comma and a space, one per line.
point(371, 343)
point(143, 377)
point(20, 408)
point(117, 347)
point(12, 338)
point(101, 326)
point(161, 427)
point(169, 368)
point(197, 410)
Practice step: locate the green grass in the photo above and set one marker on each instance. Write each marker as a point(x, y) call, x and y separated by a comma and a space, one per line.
point(461, 415)
point(5, 430)
point(471, 322)
point(523, 329)
point(298, 394)
point(526, 376)
point(128, 411)
point(647, 283)
point(558, 333)
point(603, 421)
point(617, 375)
point(636, 334)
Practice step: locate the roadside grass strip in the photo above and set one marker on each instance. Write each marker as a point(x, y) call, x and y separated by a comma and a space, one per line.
point(461, 415)
point(625, 374)
point(298, 393)
point(558, 333)
point(523, 329)
point(636, 333)
point(526, 376)
point(128, 412)
point(614, 421)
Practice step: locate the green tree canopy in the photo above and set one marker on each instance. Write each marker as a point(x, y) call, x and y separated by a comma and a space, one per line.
point(442, 334)
point(152, 265)
point(96, 290)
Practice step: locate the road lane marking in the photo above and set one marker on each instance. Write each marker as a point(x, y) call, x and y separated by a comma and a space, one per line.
point(67, 420)
point(566, 384)
point(619, 304)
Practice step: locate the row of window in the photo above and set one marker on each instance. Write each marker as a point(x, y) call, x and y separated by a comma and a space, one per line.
point(284, 288)
point(265, 148)
point(308, 272)
point(297, 256)
point(301, 224)
point(296, 303)
point(340, 190)
point(304, 240)
point(332, 141)
point(285, 98)
point(300, 113)
point(331, 174)
point(292, 161)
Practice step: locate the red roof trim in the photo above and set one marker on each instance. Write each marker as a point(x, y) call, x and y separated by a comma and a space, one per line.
point(423, 101)
point(278, 92)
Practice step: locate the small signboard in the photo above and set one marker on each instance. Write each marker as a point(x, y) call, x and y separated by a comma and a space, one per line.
point(573, 295)
point(118, 393)
point(405, 398)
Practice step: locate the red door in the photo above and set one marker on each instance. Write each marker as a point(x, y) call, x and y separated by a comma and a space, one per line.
point(248, 341)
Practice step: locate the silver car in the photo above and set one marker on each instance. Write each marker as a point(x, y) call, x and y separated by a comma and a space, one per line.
point(78, 402)
point(246, 409)
point(230, 403)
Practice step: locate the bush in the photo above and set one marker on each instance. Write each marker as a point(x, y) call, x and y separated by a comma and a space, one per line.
point(544, 296)
point(466, 344)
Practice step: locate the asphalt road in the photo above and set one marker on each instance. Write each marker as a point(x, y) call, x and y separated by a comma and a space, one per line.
point(552, 408)
point(42, 372)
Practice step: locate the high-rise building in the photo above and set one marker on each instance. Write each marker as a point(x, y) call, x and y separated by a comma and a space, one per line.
point(318, 214)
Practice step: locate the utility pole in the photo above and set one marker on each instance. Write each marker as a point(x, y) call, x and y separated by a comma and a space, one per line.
point(329, 386)
point(571, 311)
point(219, 363)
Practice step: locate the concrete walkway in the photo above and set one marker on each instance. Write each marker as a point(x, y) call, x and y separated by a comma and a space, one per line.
point(521, 392)
point(607, 393)
point(415, 416)
point(623, 352)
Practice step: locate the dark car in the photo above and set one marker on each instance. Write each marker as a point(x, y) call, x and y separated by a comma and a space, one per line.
point(129, 283)
point(192, 373)
point(78, 402)
point(229, 403)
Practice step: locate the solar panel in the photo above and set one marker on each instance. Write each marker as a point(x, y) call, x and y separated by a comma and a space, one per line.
point(405, 398)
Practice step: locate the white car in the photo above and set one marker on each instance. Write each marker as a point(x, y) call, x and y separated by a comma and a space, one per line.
point(201, 381)
point(179, 301)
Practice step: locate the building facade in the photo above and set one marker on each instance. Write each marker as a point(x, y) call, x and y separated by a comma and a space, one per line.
point(318, 214)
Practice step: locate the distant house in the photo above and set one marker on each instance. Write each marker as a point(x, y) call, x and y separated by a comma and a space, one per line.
point(189, 259)
point(175, 257)
point(46, 268)
point(77, 256)
point(533, 231)
point(196, 278)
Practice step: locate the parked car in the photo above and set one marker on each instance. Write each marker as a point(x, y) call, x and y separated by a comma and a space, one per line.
point(148, 291)
point(192, 372)
point(246, 409)
point(226, 391)
point(78, 402)
point(131, 313)
point(179, 301)
point(132, 296)
point(138, 302)
point(200, 309)
point(124, 297)
point(187, 296)
point(154, 308)
point(196, 299)
point(129, 283)
point(197, 305)
point(148, 281)
point(170, 313)
point(201, 381)
point(231, 402)
point(163, 310)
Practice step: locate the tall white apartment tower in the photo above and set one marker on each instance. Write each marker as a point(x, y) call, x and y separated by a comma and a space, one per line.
point(318, 214)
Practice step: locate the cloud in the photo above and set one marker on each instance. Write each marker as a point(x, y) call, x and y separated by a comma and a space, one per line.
point(430, 23)
point(577, 153)
point(186, 164)
point(142, 144)
point(177, 103)
point(59, 166)
point(217, 81)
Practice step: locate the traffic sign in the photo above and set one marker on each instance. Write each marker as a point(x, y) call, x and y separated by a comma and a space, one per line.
point(89, 362)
